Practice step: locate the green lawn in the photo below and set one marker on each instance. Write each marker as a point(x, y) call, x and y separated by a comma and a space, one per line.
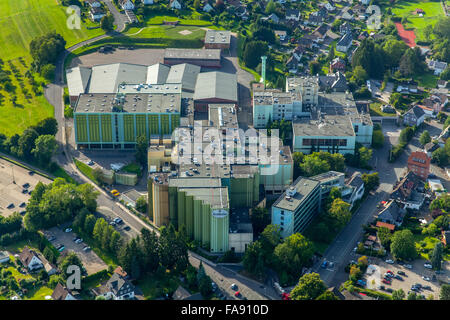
point(375, 110)
point(86, 170)
point(133, 168)
point(29, 108)
point(429, 242)
point(21, 21)
point(167, 32)
point(39, 293)
point(154, 286)
point(427, 80)
point(405, 8)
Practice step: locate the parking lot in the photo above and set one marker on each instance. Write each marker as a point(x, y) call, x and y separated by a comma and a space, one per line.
point(413, 276)
point(89, 258)
point(12, 179)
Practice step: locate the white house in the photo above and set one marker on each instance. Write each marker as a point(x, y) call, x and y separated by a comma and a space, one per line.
point(126, 4)
point(437, 66)
point(147, 1)
point(30, 259)
point(365, 2)
point(329, 6)
point(175, 4)
point(293, 14)
point(207, 7)
point(117, 288)
point(345, 43)
point(96, 13)
point(94, 3)
point(62, 293)
point(356, 185)
point(4, 256)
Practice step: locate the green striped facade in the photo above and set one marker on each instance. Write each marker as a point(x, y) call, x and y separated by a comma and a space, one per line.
point(120, 130)
point(244, 192)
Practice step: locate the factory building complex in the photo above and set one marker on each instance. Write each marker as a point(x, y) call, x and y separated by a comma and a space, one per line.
point(205, 174)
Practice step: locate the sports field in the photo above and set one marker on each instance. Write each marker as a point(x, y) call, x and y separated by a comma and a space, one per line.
point(23, 20)
point(406, 8)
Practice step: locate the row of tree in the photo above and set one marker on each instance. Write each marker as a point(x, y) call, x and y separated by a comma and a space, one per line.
point(317, 163)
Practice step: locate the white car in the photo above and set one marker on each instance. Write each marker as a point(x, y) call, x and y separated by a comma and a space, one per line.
point(68, 230)
point(390, 261)
point(426, 278)
point(79, 241)
point(408, 266)
point(428, 266)
point(233, 286)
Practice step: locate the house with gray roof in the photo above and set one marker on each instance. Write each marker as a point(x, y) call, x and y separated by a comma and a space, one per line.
point(116, 288)
point(215, 87)
point(392, 213)
point(437, 66)
point(345, 43)
point(414, 117)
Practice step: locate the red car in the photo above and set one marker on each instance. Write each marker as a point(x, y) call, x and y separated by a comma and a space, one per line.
point(285, 296)
point(237, 293)
point(389, 271)
point(386, 281)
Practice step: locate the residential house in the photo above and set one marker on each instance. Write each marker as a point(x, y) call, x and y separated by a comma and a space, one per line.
point(126, 4)
point(407, 88)
point(360, 10)
point(429, 148)
point(419, 163)
point(392, 213)
point(146, 2)
point(330, 6)
point(305, 42)
point(62, 293)
point(436, 187)
point(96, 13)
point(94, 3)
point(436, 101)
point(414, 117)
point(337, 64)
point(272, 17)
point(355, 185)
point(314, 20)
point(390, 227)
point(30, 259)
point(387, 108)
point(293, 14)
point(333, 82)
point(298, 53)
point(281, 34)
point(292, 64)
point(175, 4)
point(365, 2)
point(116, 288)
point(408, 192)
point(183, 294)
point(363, 35)
point(441, 84)
point(207, 7)
point(345, 28)
point(319, 33)
point(4, 256)
point(437, 66)
point(345, 43)
point(348, 15)
point(241, 12)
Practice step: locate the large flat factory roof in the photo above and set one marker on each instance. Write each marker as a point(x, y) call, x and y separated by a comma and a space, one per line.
point(303, 187)
point(131, 103)
point(217, 36)
point(201, 54)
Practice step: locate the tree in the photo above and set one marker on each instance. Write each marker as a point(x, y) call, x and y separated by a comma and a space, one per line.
point(445, 292)
point(309, 287)
point(327, 295)
point(440, 157)
point(442, 202)
point(385, 235)
point(365, 155)
point(436, 256)
point(252, 53)
point(297, 158)
point(71, 259)
point(46, 126)
point(141, 204)
point(359, 75)
point(411, 63)
point(97, 173)
point(427, 31)
point(377, 139)
point(371, 181)
point(314, 67)
point(26, 143)
point(89, 224)
point(370, 57)
point(45, 147)
point(260, 219)
point(312, 165)
point(339, 213)
point(425, 138)
point(46, 49)
point(294, 254)
point(107, 23)
point(398, 294)
point(197, 4)
point(403, 246)
point(141, 150)
point(394, 50)
point(48, 72)
point(253, 260)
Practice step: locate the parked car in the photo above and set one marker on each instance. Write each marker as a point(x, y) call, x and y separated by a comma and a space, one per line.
point(26, 185)
point(233, 286)
point(389, 290)
point(68, 230)
point(408, 266)
point(127, 228)
point(401, 273)
point(426, 278)
point(118, 220)
point(398, 277)
point(387, 281)
point(51, 238)
point(79, 241)
point(382, 287)
point(361, 283)
point(10, 206)
point(390, 261)
point(61, 249)
point(58, 246)
point(324, 264)
point(237, 293)
point(112, 223)
point(428, 266)
point(24, 191)
point(22, 205)
point(90, 163)
point(75, 239)
point(86, 249)
point(30, 173)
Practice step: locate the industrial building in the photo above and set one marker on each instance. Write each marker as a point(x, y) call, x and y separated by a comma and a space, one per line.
point(215, 87)
point(295, 209)
point(217, 39)
point(209, 58)
point(114, 121)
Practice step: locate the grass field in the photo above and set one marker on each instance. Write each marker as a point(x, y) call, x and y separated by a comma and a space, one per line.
point(86, 170)
point(21, 21)
point(405, 8)
point(167, 32)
